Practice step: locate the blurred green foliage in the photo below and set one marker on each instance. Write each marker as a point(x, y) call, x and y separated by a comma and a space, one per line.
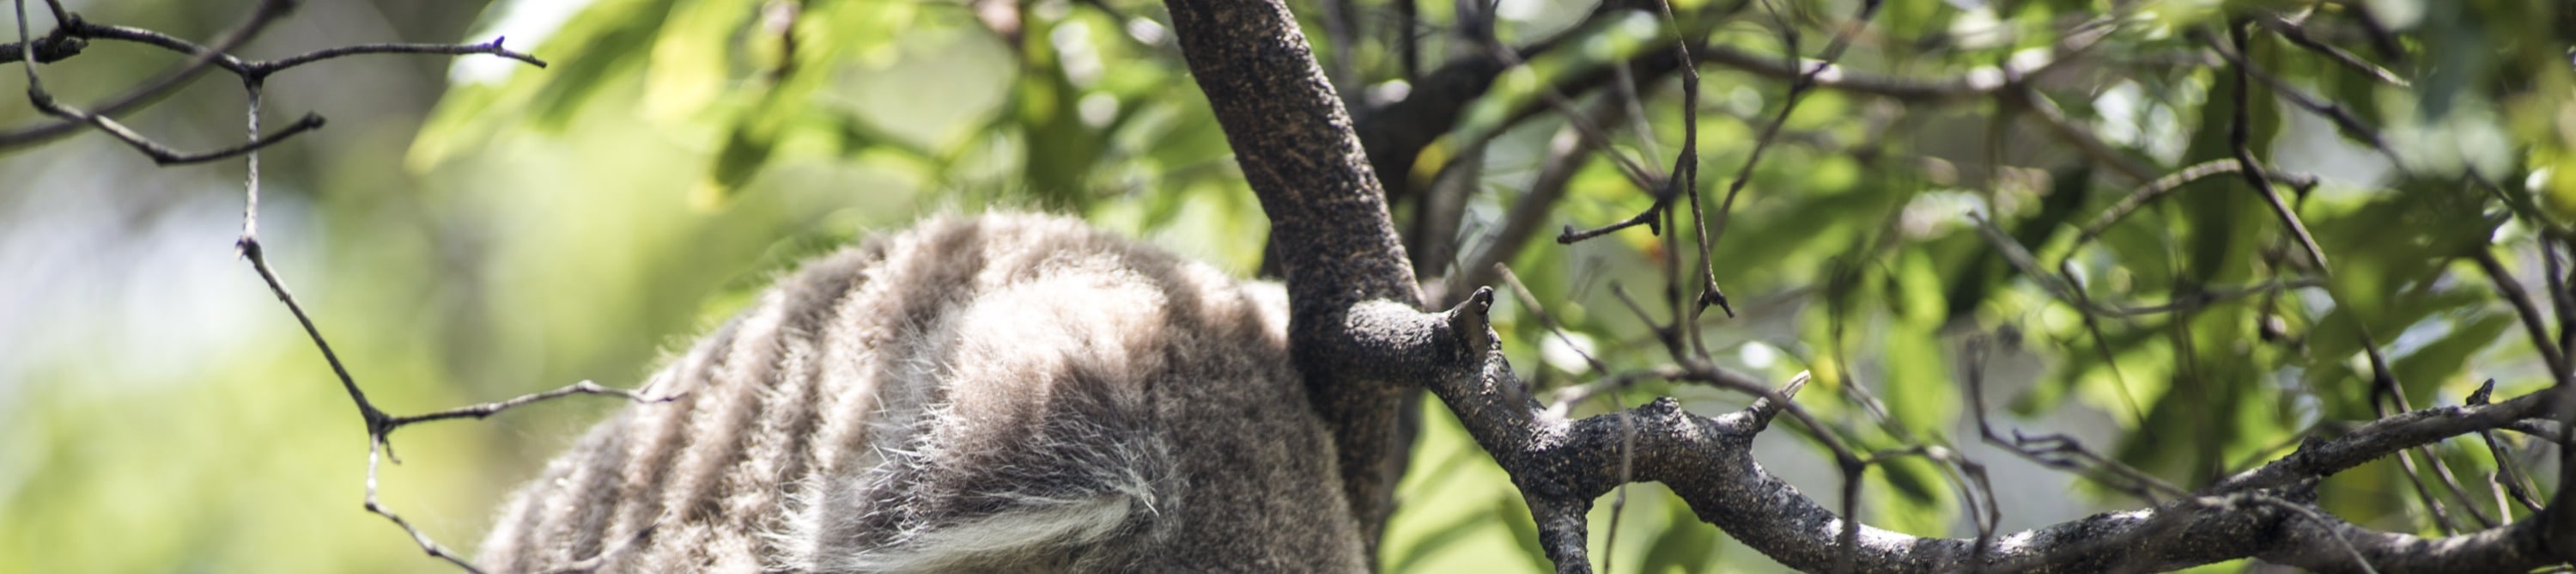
point(546, 226)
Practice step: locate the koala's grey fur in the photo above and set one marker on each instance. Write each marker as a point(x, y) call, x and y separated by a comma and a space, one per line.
point(1000, 393)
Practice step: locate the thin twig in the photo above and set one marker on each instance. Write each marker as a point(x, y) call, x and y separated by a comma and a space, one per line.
point(2312, 516)
point(2239, 138)
point(2383, 386)
point(1408, 43)
point(49, 49)
point(2516, 482)
point(2561, 299)
point(426, 543)
point(2084, 140)
point(2063, 286)
point(2062, 452)
point(2342, 117)
point(2297, 33)
point(2157, 189)
point(493, 48)
point(150, 91)
point(493, 408)
point(1529, 301)
point(1597, 136)
point(1686, 166)
point(1566, 153)
point(1989, 516)
point(2532, 321)
point(71, 30)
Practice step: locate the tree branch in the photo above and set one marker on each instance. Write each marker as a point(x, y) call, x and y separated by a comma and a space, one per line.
point(72, 32)
point(1358, 337)
point(1395, 134)
point(1351, 289)
point(151, 91)
point(1708, 462)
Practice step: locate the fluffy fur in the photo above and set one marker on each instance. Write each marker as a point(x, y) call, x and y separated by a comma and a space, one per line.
point(1003, 393)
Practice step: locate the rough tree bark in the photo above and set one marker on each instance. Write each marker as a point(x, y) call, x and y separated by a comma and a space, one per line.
point(1296, 147)
point(1364, 347)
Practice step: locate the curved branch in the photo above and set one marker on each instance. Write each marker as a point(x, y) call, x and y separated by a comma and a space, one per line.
point(150, 91)
point(1708, 461)
point(72, 33)
point(2383, 437)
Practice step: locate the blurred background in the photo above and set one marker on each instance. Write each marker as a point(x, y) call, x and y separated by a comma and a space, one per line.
point(471, 229)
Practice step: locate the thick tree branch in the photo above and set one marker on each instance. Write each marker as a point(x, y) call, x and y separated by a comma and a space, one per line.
point(1347, 274)
point(1708, 461)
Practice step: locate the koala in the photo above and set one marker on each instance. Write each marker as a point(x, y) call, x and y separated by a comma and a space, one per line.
point(1004, 392)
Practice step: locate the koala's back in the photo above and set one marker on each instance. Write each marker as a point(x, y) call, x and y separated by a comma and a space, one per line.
point(1006, 392)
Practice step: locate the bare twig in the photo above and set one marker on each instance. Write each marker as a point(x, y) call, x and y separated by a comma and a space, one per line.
point(2082, 138)
point(71, 30)
point(2516, 483)
point(71, 33)
point(2063, 452)
point(160, 86)
point(2315, 517)
point(48, 49)
point(427, 544)
point(2239, 136)
point(2533, 322)
point(486, 410)
point(1591, 130)
point(2296, 32)
point(1686, 165)
point(2063, 286)
point(2561, 298)
point(1566, 153)
point(2385, 436)
point(1799, 85)
point(1530, 302)
point(1408, 41)
point(379, 424)
point(2161, 186)
point(493, 48)
point(2385, 392)
point(2343, 118)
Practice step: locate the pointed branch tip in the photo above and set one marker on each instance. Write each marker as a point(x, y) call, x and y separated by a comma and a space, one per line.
point(1763, 409)
point(1796, 383)
point(1469, 320)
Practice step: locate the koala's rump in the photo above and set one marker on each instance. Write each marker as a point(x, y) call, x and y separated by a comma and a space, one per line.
point(1003, 392)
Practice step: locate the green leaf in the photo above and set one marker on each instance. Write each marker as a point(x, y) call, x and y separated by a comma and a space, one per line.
point(735, 163)
point(1686, 545)
point(1439, 539)
point(1919, 392)
point(692, 59)
point(1915, 479)
point(1514, 514)
point(599, 46)
point(2447, 359)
